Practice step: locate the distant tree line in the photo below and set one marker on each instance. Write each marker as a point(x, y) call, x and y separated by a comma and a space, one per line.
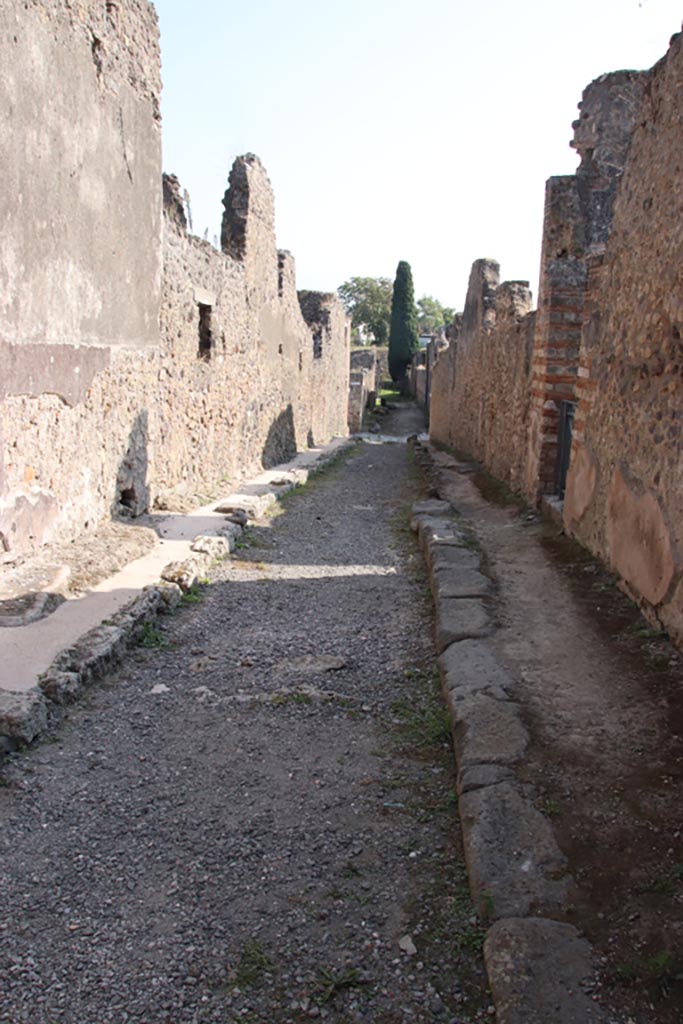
point(367, 301)
point(384, 313)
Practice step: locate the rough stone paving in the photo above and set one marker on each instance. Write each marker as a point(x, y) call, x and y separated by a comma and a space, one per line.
point(249, 821)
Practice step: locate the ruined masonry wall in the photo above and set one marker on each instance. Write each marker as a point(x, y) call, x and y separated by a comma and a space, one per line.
point(119, 388)
point(480, 383)
point(625, 486)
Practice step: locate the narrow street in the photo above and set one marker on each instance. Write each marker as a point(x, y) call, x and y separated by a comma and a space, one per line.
point(254, 819)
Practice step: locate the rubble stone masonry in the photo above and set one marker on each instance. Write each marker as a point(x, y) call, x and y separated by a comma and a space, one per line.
point(480, 383)
point(607, 339)
point(137, 363)
point(625, 485)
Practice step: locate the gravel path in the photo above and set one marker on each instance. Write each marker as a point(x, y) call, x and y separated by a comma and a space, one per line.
point(254, 818)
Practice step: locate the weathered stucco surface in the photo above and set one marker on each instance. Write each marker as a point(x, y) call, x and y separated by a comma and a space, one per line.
point(137, 362)
point(80, 259)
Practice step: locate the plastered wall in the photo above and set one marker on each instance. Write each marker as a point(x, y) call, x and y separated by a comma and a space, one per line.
point(137, 363)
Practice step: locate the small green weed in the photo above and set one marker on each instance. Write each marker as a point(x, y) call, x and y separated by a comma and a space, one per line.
point(331, 982)
point(487, 905)
point(294, 697)
point(551, 807)
point(254, 964)
point(650, 633)
point(664, 884)
point(660, 965)
point(192, 596)
point(422, 725)
point(627, 972)
point(470, 938)
point(152, 638)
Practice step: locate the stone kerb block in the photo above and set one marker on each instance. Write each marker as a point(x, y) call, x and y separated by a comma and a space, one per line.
point(431, 507)
point(486, 730)
point(538, 971)
point(432, 531)
point(460, 619)
point(514, 864)
point(465, 583)
point(471, 667)
point(449, 558)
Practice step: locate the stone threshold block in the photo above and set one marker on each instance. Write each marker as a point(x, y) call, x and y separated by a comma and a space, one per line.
point(514, 864)
point(538, 971)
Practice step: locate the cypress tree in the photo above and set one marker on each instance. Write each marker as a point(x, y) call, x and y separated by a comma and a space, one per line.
point(403, 338)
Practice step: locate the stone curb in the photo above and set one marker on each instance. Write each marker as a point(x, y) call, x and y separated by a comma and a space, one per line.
point(26, 715)
point(538, 968)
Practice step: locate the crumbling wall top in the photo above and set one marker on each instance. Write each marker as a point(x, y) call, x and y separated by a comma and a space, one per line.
point(479, 313)
point(609, 110)
point(248, 201)
point(174, 207)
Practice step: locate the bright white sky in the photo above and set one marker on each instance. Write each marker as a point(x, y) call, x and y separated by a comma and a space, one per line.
point(421, 130)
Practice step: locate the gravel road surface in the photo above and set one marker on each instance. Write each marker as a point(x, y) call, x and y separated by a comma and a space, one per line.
point(253, 819)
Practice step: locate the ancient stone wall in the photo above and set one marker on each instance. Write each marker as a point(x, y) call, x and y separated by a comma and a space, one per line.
point(624, 490)
point(122, 385)
point(480, 383)
point(577, 222)
point(606, 341)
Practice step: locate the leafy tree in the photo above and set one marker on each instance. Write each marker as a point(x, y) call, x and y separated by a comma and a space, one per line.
point(431, 315)
point(403, 339)
point(367, 301)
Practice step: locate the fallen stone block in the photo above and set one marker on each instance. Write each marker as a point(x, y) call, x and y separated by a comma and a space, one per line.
point(460, 583)
point(486, 731)
point(460, 620)
point(471, 667)
point(538, 971)
point(183, 574)
point(514, 864)
point(214, 546)
point(237, 518)
point(253, 505)
point(61, 687)
point(170, 595)
point(23, 716)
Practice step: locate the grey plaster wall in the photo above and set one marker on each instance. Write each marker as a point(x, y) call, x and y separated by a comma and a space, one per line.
point(80, 209)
